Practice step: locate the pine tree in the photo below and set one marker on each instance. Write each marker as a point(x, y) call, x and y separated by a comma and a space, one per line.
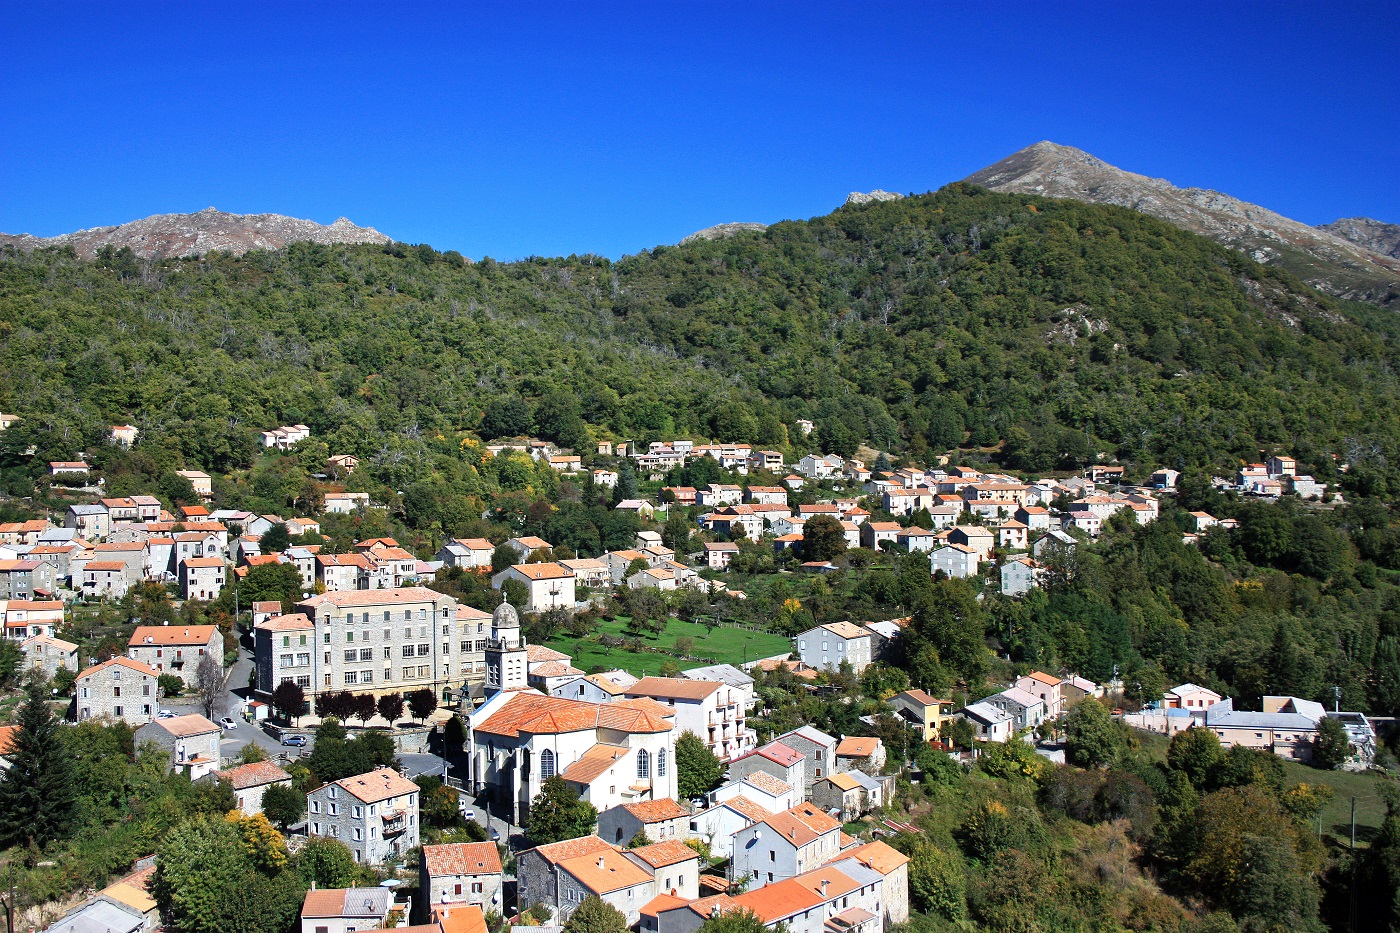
point(36, 792)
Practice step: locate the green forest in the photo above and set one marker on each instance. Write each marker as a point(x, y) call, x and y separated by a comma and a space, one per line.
point(1028, 334)
point(1051, 331)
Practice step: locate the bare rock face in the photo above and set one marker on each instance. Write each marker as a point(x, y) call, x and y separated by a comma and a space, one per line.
point(1329, 262)
point(1369, 234)
point(865, 197)
point(720, 231)
point(177, 235)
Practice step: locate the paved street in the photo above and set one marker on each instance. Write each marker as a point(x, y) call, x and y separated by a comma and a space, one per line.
point(234, 739)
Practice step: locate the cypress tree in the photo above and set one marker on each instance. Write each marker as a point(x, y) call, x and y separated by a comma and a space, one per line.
point(36, 792)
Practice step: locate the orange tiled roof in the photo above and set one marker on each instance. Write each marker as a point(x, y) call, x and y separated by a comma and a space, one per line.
point(592, 763)
point(542, 715)
point(463, 858)
point(878, 856)
point(669, 852)
point(123, 661)
point(556, 852)
point(679, 688)
point(253, 775)
point(160, 635)
point(662, 903)
point(753, 812)
point(655, 811)
point(817, 820)
point(837, 882)
point(857, 746)
point(774, 902)
point(374, 786)
point(605, 872)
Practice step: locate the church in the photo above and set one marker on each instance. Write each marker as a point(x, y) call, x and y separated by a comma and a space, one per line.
point(623, 751)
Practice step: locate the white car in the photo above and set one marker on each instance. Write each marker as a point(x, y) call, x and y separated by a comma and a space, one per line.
point(227, 723)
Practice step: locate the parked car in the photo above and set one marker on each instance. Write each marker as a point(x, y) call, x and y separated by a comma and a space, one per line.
point(165, 714)
point(295, 741)
point(227, 723)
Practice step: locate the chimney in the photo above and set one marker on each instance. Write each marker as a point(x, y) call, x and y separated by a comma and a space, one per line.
point(600, 861)
point(824, 884)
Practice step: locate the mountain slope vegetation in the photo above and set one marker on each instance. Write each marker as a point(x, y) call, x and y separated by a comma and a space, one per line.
point(1053, 330)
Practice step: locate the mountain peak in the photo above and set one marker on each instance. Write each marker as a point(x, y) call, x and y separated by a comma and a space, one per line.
point(174, 235)
point(1338, 264)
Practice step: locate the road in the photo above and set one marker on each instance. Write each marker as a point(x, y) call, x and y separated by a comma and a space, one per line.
point(235, 693)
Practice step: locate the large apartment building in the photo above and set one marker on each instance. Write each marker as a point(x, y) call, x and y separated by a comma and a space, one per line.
point(376, 641)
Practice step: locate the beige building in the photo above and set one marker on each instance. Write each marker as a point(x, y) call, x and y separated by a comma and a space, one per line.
point(550, 585)
point(376, 641)
point(49, 654)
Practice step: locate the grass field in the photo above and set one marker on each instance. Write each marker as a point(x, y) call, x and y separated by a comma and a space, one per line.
point(720, 646)
point(1336, 816)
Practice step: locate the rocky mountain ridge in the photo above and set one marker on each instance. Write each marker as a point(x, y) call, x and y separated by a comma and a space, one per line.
point(178, 235)
point(719, 231)
point(1374, 235)
point(1332, 263)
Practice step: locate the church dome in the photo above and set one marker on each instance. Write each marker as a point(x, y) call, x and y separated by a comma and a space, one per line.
point(505, 616)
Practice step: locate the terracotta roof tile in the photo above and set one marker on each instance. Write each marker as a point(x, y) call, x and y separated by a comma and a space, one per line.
point(679, 688)
point(463, 858)
point(669, 852)
point(655, 811)
point(198, 635)
point(253, 775)
point(605, 872)
point(753, 812)
point(857, 746)
point(774, 902)
point(592, 763)
point(878, 856)
point(556, 852)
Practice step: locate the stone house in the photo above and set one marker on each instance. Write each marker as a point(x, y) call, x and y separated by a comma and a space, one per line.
point(374, 814)
point(49, 654)
point(251, 781)
point(191, 741)
point(120, 689)
point(177, 649)
point(462, 873)
point(659, 820)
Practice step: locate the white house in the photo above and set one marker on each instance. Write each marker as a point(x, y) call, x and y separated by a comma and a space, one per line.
point(713, 710)
point(550, 585)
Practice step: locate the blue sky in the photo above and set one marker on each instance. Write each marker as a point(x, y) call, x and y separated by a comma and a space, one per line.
point(513, 129)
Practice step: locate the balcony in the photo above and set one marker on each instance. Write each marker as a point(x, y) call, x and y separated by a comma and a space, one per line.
point(395, 822)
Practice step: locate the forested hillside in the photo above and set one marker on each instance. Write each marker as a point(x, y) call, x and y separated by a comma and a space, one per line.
point(957, 318)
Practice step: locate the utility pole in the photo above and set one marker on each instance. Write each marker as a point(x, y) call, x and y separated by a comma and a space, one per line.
point(1353, 823)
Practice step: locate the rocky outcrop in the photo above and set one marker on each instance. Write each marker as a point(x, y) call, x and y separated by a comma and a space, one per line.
point(719, 231)
point(1329, 262)
point(177, 235)
point(866, 197)
point(1369, 234)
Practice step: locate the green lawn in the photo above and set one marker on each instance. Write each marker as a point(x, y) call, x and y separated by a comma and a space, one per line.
point(720, 646)
point(1336, 816)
